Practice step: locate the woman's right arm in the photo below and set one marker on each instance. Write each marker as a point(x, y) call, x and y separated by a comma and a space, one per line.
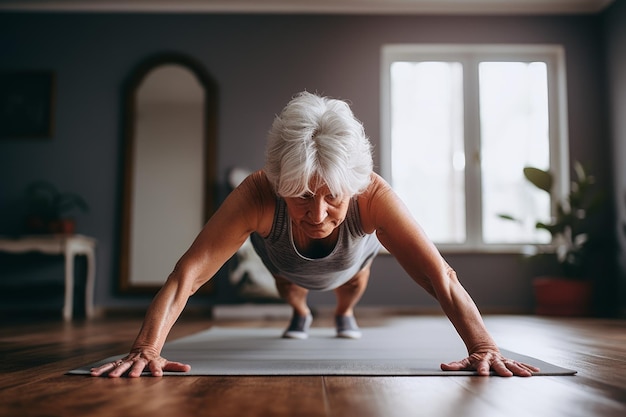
point(247, 209)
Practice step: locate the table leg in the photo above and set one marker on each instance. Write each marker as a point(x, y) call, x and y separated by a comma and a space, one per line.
point(89, 286)
point(69, 285)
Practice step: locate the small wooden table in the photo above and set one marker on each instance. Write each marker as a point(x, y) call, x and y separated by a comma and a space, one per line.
point(70, 246)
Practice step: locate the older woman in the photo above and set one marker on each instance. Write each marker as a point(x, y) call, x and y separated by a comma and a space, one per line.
point(316, 214)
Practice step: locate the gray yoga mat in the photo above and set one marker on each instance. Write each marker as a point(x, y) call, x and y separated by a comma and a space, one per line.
point(399, 348)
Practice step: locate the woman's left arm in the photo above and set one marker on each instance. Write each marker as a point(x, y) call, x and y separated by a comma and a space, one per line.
point(383, 211)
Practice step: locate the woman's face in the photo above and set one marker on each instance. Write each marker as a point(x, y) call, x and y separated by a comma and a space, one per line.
point(317, 215)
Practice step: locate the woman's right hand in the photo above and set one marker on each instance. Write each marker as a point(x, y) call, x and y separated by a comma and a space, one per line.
point(135, 363)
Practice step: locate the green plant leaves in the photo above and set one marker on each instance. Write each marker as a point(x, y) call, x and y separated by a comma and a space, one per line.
point(568, 227)
point(539, 178)
point(46, 200)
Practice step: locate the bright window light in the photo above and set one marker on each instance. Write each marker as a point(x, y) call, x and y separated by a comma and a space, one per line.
point(459, 124)
point(514, 134)
point(428, 167)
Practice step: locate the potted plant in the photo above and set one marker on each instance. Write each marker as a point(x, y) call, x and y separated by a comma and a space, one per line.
point(49, 209)
point(569, 292)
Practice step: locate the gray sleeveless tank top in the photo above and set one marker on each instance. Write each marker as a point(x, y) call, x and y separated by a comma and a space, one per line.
point(354, 249)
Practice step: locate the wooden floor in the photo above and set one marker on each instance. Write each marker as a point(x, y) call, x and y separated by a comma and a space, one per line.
point(35, 355)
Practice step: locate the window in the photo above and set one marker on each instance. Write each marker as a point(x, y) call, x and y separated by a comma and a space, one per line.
point(459, 124)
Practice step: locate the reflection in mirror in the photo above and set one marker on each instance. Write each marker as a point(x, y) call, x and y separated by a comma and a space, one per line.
point(168, 158)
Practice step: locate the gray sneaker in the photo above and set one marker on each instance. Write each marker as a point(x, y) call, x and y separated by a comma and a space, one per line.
point(347, 327)
point(298, 327)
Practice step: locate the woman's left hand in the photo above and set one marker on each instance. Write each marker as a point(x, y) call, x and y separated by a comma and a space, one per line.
point(483, 361)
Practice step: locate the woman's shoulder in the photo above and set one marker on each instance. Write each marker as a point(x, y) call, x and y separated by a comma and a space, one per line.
point(369, 201)
point(377, 188)
point(258, 180)
point(257, 191)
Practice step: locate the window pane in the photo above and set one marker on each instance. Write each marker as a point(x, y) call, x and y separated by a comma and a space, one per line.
point(514, 134)
point(427, 151)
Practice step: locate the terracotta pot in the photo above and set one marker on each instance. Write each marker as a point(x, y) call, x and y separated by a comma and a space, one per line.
point(556, 296)
point(62, 226)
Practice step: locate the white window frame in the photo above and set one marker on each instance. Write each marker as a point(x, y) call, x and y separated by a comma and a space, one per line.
point(470, 55)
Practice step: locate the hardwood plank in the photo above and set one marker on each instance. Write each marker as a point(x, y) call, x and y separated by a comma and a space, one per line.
point(173, 396)
point(71, 396)
point(262, 396)
point(540, 396)
point(401, 397)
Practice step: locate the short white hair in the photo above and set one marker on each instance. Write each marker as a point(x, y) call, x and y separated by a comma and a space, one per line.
point(317, 141)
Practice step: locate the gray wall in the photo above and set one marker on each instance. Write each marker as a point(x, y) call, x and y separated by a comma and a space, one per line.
point(259, 62)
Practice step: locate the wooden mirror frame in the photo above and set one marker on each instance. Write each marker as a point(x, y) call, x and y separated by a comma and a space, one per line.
point(129, 97)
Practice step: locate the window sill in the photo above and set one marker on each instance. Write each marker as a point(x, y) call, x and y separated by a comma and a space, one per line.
point(447, 249)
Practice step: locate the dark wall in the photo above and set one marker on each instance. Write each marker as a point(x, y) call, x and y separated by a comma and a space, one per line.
point(259, 62)
point(615, 24)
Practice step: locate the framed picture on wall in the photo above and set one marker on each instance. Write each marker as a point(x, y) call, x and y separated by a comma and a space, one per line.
point(27, 104)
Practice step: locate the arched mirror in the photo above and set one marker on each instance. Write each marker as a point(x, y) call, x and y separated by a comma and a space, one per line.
point(169, 167)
